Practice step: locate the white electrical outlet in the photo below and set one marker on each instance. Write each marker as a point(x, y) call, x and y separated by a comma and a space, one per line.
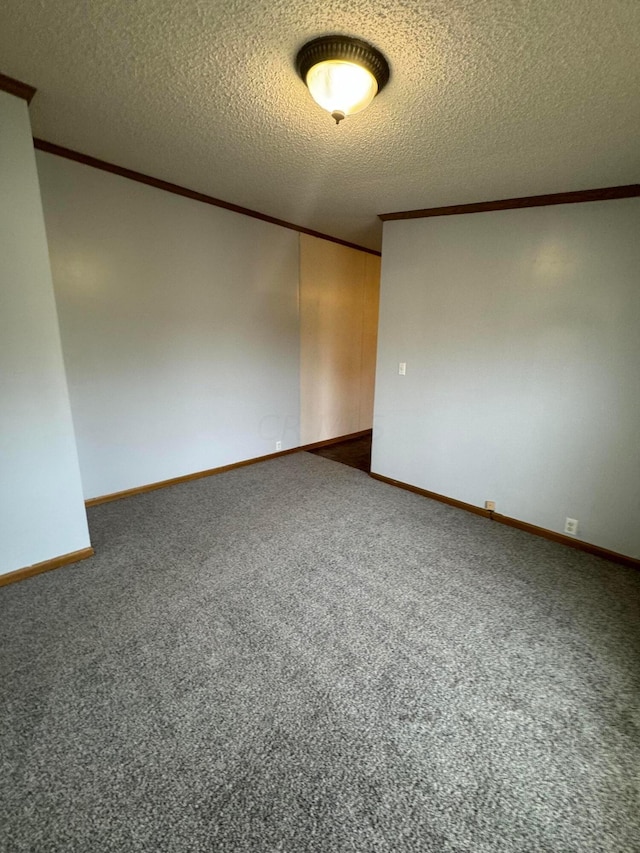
point(490, 505)
point(571, 526)
point(402, 368)
point(278, 445)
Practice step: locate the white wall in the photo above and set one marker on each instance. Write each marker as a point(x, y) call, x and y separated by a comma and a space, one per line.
point(179, 326)
point(521, 333)
point(41, 509)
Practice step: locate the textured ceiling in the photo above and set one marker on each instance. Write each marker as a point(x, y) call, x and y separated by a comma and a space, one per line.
point(487, 99)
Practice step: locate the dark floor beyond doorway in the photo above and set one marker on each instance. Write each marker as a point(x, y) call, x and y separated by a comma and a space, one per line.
point(355, 452)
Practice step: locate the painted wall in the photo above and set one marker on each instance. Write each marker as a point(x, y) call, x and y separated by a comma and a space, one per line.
point(339, 294)
point(521, 334)
point(41, 508)
point(179, 324)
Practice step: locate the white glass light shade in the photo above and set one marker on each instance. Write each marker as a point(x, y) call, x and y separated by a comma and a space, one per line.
point(341, 87)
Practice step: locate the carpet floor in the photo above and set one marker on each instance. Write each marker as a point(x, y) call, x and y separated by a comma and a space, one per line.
point(294, 657)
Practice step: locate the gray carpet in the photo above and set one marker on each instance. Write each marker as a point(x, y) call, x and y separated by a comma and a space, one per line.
point(295, 657)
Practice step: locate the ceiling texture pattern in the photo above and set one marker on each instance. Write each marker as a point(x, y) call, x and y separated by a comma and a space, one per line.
point(487, 99)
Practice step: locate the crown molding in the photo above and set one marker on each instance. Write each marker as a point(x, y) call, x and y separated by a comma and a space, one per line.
point(602, 194)
point(17, 88)
point(87, 160)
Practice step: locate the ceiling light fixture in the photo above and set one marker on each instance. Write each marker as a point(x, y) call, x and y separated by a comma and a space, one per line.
point(343, 74)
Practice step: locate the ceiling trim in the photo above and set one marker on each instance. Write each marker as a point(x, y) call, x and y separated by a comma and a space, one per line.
point(603, 194)
point(87, 160)
point(17, 88)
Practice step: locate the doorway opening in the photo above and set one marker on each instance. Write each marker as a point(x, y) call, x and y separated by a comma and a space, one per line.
point(355, 452)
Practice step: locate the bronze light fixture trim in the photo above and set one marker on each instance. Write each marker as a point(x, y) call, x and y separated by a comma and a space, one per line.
point(343, 74)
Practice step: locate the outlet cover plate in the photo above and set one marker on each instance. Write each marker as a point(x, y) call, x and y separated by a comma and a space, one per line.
point(571, 526)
